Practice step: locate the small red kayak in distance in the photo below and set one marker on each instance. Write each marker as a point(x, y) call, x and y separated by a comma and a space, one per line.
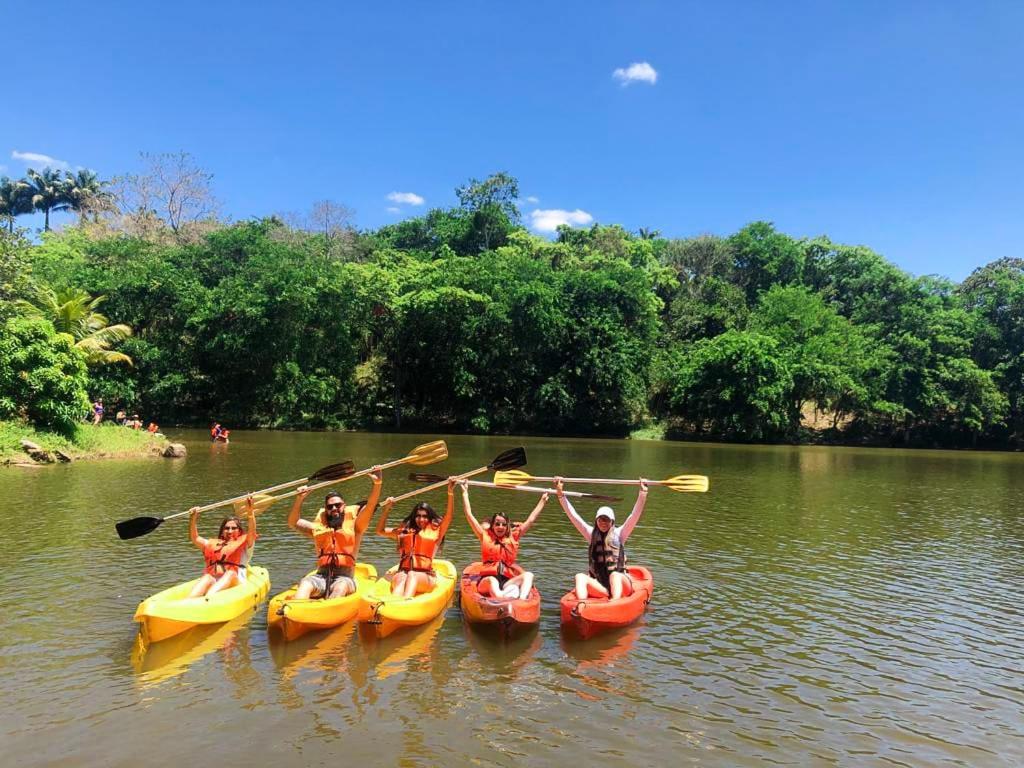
point(510, 616)
point(599, 614)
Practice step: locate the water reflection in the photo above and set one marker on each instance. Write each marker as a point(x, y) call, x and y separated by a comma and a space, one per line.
point(505, 654)
point(157, 662)
point(321, 649)
point(386, 656)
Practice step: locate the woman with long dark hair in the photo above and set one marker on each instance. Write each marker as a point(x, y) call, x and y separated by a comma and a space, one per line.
point(418, 537)
point(606, 551)
point(499, 538)
point(227, 555)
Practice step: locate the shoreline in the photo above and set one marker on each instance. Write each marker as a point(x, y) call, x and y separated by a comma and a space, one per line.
point(89, 443)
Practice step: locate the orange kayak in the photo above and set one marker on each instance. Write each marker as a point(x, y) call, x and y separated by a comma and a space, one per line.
point(598, 614)
point(511, 616)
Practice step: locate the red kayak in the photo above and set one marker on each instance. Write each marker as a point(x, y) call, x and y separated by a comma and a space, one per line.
point(511, 616)
point(599, 614)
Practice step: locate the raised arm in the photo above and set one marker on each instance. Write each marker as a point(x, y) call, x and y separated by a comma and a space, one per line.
point(528, 523)
point(366, 513)
point(294, 522)
point(449, 510)
point(250, 519)
point(574, 518)
point(385, 510)
point(193, 528)
point(473, 522)
point(634, 516)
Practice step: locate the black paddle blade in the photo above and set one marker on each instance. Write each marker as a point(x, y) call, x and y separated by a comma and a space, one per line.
point(332, 472)
point(137, 526)
point(425, 477)
point(513, 458)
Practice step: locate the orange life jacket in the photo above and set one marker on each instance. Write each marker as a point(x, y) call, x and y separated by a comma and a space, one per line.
point(416, 550)
point(500, 555)
point(336, 548)
point(218, 562)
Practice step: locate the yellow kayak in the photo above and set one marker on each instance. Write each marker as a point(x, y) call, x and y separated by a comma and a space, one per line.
point(294, 618)
point(172, 612)
point(385, 612)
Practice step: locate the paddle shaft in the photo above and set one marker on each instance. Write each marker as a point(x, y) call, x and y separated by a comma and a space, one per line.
point(228, 502)
point(527, 488)
point(441, 484)
point(360, 473)
point(601, 481)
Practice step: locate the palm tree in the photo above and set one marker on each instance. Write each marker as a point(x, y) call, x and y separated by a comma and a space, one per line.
point(73, 313)
point(646, 233)
point(86, 193)
point(14, 200)
point(49, 192)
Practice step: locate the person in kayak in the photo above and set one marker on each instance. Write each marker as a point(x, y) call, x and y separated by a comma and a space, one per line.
point(607, 576)
point(499, 539)
point(226, 555)
point(418, 536)
point(336, 532)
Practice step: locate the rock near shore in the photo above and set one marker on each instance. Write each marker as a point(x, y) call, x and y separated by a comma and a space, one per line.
point(174, 451)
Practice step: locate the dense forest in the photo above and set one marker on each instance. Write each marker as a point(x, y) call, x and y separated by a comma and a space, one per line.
point(462, 320)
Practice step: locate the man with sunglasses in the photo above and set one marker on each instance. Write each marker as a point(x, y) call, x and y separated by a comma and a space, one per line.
point(336, 532)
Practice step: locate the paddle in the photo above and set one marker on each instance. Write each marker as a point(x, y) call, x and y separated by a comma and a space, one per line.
point(140, 526)
point(510, 459)
point(425, 477)
point(428, 453)
point(680, 483)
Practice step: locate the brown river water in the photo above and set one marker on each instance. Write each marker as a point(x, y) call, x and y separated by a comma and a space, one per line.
point(819, 606)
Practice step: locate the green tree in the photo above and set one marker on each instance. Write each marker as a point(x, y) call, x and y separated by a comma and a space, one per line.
point(734, 386)
point(49, 192)
point(763, 257)
point(86, 193)
point(15, 200)
point(42, 375)
point(73, 313)
point(491, 204)
point(832, 362)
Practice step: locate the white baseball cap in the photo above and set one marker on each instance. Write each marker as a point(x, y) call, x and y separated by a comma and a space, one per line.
point(606, 512)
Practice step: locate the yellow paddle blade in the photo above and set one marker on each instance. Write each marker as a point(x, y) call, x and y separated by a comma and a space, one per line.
point(686, 483)
point(512, 477)
point(262, 502)
point(428, 453)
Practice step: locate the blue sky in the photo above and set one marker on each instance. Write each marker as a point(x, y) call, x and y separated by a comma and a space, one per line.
point(895, 125)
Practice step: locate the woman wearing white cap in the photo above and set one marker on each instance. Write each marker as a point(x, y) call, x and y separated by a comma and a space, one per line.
point(607, 552)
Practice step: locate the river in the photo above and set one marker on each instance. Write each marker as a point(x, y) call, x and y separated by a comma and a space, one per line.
point(819, 606)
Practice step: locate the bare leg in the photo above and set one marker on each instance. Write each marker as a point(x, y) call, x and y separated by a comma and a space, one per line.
point(305, 590)
point(489, 586)
point(621, 585)
point(226, 581)
point(340, 588)
point(526, 585)
point(204, 583)
point(581, 586)
point(588, 586)
point(416, 583)
point(398, 583)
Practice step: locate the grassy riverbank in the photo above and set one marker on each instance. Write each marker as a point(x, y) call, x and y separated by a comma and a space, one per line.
point(88, 442)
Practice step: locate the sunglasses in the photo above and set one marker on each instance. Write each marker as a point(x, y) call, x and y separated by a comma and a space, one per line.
point(334, 506)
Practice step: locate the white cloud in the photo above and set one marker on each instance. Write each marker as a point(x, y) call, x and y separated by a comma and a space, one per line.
point(392, 209)
point(551, 219)
point(40, 161)
point(532, 199)
point(406, 198)
point(637, 72)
